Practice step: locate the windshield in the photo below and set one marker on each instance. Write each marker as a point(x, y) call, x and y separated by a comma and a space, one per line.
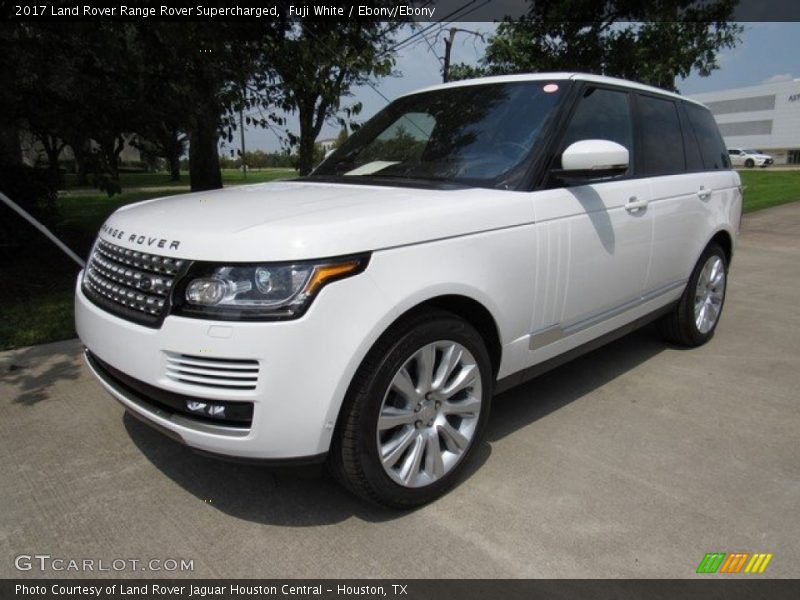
point(478, 135)
point(752, 151)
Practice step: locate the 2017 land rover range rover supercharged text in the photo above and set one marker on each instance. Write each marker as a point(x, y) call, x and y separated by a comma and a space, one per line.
point(466, 238)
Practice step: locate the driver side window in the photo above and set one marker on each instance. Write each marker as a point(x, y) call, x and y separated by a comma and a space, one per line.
point(600, 115)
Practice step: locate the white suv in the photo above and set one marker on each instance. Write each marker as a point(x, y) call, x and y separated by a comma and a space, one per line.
point(749, 158)
point(467, 238)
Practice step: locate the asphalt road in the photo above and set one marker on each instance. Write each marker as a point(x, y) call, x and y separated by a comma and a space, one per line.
point(633, 461)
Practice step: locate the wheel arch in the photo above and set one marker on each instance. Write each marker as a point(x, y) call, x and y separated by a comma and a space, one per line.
point(465, 306)
point(474, 313)
point(725, 241)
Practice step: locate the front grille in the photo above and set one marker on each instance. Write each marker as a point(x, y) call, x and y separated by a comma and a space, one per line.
point(131, 284)
point(210, 372)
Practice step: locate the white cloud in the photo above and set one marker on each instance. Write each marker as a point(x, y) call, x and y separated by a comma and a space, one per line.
point(778, 78)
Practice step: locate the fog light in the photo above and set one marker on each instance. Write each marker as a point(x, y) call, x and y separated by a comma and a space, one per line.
point(206, 408)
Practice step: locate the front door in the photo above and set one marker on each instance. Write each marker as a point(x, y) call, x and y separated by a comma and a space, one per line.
point(593, 241)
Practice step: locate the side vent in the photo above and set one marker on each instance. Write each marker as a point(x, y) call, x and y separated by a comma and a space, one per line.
point(210, 372)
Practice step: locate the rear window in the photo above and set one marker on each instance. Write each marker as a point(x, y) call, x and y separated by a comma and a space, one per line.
point(712, 148)
point(662, 144)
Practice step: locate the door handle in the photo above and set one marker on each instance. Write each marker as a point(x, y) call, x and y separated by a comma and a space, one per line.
point(703, 193)
point(634, 204)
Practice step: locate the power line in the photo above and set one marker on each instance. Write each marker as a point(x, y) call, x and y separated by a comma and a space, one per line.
point(433, 50)
point(404, 45)
point(369, 83)
point(399, 45)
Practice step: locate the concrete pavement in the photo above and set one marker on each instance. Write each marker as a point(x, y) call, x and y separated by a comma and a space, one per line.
point(633, 461)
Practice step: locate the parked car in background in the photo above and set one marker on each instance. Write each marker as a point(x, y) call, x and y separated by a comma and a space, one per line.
point(467, 238)
point(749, 158)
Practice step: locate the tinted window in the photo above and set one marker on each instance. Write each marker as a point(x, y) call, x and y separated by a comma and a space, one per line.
point(712, 148)
point(601, 115)
point(694, 162)
point(662, 143)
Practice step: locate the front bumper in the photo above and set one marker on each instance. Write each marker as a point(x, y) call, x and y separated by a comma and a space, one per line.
point(303, 370)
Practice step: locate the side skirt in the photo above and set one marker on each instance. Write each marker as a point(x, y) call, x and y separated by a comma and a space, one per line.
point(521, 377)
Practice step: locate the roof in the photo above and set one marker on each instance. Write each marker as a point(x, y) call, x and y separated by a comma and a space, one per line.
point(554, 77)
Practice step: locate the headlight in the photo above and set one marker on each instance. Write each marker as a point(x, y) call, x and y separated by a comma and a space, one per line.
point(269, 291)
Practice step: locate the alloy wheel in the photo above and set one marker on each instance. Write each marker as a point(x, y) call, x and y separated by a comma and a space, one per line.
point(429, 414)
point(709, 294)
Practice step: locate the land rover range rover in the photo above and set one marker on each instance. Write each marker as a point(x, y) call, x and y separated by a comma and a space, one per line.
point(466, 238)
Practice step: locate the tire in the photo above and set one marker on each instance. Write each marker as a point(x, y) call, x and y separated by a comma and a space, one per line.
point(368, 457)
point(749, 163)
point(686, 324)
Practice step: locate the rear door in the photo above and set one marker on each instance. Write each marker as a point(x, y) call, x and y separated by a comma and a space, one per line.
point(687, 161)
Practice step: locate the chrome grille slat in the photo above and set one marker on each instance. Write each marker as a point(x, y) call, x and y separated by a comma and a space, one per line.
point(130, 282)
point(215, 365)
point(212, 372)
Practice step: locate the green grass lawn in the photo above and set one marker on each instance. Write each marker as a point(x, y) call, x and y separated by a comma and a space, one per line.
point(769, 187)
point(38, 308)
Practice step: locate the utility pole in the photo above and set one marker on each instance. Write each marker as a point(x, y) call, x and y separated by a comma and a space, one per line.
point(241, 132)
point(241, 129)
point(448, 46)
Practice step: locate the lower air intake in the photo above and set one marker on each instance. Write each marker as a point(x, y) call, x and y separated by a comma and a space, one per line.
point(211, 372)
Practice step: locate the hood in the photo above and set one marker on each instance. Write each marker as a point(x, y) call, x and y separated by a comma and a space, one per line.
point(303, 220)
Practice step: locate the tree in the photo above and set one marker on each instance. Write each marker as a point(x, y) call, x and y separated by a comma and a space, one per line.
point(653, 42)
point(341, 138)
point(73, 85)
point(200, 75)
point(95, 86)
point(318, 64)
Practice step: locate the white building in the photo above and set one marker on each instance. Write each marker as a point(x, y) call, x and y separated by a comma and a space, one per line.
point(763, 117)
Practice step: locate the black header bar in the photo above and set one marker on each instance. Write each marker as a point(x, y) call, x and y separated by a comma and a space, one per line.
point(425, 11)
point(713, 588)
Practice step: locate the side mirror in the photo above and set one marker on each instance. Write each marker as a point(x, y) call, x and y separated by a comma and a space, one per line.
point(588, 160)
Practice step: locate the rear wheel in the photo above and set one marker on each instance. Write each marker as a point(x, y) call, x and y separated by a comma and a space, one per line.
point(693, 320)
point(415, 412)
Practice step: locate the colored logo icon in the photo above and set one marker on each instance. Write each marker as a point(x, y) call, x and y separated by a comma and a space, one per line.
point(734, 562)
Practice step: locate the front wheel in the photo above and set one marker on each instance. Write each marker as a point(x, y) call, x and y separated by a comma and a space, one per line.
point(415, 412)
point(749, 163)
point(693, 320)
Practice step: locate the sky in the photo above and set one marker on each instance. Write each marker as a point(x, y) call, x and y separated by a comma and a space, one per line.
point(767, 51)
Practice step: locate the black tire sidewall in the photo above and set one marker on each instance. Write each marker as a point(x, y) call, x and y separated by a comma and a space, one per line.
point(690, 326)
point(437, 328)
